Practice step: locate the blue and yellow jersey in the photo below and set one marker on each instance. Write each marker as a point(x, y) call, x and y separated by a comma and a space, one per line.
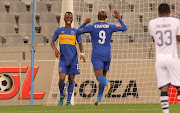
point(101, 33)
point(67, 40)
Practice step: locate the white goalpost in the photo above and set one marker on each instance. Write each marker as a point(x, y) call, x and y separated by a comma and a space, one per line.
point(132, 66)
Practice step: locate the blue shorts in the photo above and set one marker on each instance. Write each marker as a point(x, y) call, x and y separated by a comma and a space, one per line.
point(101, 65)
point(69, 67)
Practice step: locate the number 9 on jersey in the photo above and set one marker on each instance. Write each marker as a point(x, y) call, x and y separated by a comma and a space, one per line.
point(102, 35)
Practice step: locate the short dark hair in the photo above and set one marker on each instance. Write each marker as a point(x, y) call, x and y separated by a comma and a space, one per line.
point(164, 8)
point(68, 13)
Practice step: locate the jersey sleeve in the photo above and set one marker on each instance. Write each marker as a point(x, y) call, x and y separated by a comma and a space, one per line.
point(84, 29)
point(178, 29)
point(79, 38)
point(115, 27)
point(55, 36)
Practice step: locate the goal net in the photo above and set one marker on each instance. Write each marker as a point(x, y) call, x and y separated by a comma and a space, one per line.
point(132, 68)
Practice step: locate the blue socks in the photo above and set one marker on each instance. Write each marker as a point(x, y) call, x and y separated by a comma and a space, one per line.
point(70, 91)
point(61, 88)
point(102, 83)
point(103, 80)
point(100, 93)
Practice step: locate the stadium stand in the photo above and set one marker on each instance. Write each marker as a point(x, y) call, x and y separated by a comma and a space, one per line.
point(80, 6)
point(39, 39)
point(47, 17)
point(7, 2)
point(56, 8)
point(25, 18)
point(2, 8)
point(40, 7)
point(47, 29)
point(25, 30)
point(14, 39)
point(17, 7)
point(8, 18)
point(28, 2)
point(6, 28)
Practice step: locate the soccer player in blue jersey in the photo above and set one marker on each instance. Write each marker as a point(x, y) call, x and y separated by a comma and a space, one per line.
point(101, 33)
point(68, 64)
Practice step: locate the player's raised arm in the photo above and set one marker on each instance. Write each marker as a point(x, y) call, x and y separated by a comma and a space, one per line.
point(118, 27)
point(82, 29)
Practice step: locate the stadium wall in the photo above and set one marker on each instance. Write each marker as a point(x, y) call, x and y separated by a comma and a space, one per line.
point(135, 80)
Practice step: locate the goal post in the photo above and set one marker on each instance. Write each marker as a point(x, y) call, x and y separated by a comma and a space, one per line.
point(132, 68)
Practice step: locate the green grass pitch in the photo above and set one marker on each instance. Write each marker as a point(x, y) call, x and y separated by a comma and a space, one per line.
point(110, 108)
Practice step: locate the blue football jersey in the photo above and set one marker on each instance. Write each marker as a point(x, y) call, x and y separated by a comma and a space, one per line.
point(67, 41)
point(101, 33)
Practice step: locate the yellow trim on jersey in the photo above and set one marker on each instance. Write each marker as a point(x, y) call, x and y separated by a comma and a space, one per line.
point(67, 39)
point(101, 20)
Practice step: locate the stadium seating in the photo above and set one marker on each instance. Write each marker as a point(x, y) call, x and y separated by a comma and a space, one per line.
point(25, 18)
point(2, 8)
point(80, 6)
point(40, 7)
point(1, 40)
point(17, 7)
point(38, 39)
point(7, 2)
point(14, 39)
point(25, 30)
point(48, 30)
point(28, 2)
point(47, 17)
point(135, 14)
point(8, 18)
point(6, 28)
point(56, 8)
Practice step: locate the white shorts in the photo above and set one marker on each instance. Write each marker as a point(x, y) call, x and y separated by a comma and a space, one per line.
point(168, 72)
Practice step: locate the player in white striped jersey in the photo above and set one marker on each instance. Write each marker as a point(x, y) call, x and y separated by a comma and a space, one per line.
point(165, 32)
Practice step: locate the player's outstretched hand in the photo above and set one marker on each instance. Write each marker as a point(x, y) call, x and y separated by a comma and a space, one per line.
point(116, 14)
point(87, 20)
point(82, 57)
point(57, 53)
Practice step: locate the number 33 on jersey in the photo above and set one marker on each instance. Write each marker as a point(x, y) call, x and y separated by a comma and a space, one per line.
point(164, 31)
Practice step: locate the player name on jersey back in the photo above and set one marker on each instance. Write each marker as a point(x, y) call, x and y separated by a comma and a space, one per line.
point(163, 26)
point(101, 26)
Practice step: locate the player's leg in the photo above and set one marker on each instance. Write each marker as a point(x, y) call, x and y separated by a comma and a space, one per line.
point(73, 70)
point(70, 89)
point(98, 70)
point(62, 77)
point(165, 99)
point(110, 87)
point(178, 89)
point(174, 69)
point(101, 78)
point(163, 78)
point(101, 90)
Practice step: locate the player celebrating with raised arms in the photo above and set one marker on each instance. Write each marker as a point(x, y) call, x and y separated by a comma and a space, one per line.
point(68, 64)
point(101, 33)
point(165, 31)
